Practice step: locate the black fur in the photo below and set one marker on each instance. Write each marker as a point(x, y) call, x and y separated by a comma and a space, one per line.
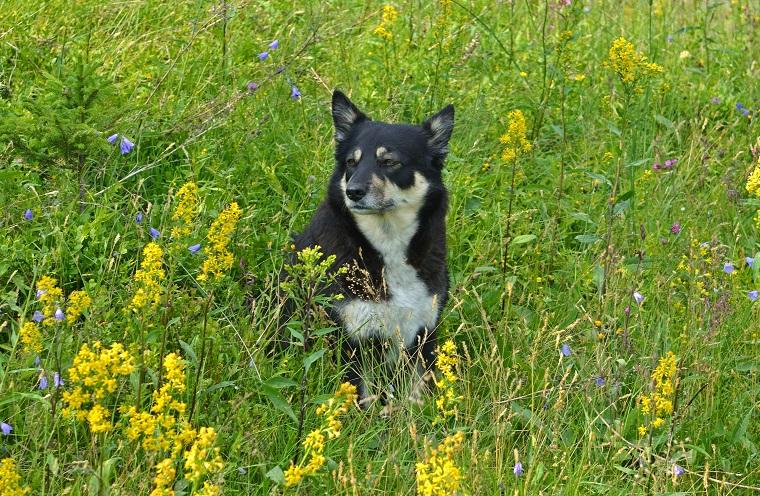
point(417, 148)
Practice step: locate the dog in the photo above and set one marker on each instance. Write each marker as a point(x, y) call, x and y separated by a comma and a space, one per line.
point(384, 219)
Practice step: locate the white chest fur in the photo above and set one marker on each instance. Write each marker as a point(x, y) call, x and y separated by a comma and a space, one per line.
point(410, 305)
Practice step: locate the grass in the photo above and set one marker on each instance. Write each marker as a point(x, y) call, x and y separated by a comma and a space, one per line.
point(591, 223)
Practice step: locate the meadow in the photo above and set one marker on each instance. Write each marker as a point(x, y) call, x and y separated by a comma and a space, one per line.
point(602, 334)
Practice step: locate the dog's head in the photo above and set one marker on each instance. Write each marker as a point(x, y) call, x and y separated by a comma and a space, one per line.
point(381, 167)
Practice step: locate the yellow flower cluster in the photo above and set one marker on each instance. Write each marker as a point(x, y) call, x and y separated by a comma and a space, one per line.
point(314, 443)
point(446, 362)
point(165, 473)
point(78, 302)
point(148, 278)
point(753, 187)
point(50, 296)
point(10, 481)
point(184, 214)
point(163, 427)
point(439, 475)
point(694, 273)
point(514, 139)
point(659, 404)
point(390, 14)
point(201, 459)
point(219, 257)
point(94, 375)
point(209, 489)
point(630, 66)
point(31, 337)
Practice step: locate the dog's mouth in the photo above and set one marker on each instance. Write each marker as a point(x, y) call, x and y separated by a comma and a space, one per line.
point(361, 209)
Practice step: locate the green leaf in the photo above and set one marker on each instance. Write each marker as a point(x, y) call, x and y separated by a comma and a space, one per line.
point(664, 121)
point(279, 382)
point(523, 238)
point(309, 360)
point(218, 385)
point(278, 401)
point(188, 351)
point(587, 239)
point(277, 475)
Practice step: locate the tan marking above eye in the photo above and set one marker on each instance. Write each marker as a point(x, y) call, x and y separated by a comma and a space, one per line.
point(381, 150)
point(357, 154)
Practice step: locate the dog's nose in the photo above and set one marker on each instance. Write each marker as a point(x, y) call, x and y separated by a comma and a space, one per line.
point(356, 194)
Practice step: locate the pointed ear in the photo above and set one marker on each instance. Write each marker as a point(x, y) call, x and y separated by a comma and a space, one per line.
point(345, 115)
point(439, 128)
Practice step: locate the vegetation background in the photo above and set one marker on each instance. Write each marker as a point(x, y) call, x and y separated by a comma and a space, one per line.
point(625, 230)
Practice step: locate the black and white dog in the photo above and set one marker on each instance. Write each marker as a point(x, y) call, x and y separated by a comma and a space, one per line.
point(384, 219)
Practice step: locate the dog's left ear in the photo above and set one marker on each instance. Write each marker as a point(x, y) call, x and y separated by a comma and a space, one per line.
point(438, 129)
point(345, 115)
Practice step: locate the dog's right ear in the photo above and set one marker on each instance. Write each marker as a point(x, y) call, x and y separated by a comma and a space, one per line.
point(345, 115)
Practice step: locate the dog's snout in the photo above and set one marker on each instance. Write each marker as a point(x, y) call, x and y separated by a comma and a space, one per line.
point(356, 194)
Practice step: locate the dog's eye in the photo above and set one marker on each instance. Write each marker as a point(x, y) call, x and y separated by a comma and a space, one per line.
point(350, 162)
point(389, 162)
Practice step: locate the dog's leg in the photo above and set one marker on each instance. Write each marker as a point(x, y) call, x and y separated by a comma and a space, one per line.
point(423, 362)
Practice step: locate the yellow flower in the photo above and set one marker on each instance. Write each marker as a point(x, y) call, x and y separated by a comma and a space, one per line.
point(390, 14)
point(10, 480)
point(753, 182)
point(642, 430)
point(50, 296)
point(201, 459)
point(94, 376)
point(629, 65)
point(514, 139)
point(446, 362)
point(31, 337)
point(314, 442)
point(165, 473)
point(185, 212)
point(148, 278)
point(219, 235)
point(78, 302)
point(438, 475)
point(209, 489)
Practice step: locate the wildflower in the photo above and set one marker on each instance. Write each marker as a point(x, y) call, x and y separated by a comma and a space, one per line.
point(630, 66)
point(38, 316)
point(112, 139)
point(678, 471)
point(165, 473)
point(125, 146)
point(675, 228)
point(314, 442)
point(753, 295)
point(716, 100)
point(79, 301)
point(10, 480)
point(750, 261)
point(263, 55)
point(148, 278)
point(753, 181)
point(43, 384)
point(274, 45)
point(280, 69)
point(219, 257)
point(59, 315)
point(6, 429)
point(438, 475)
point(627, 310)
point(31, 337)
point(599, 381)
point(50, 296)
point(186, 209)
point(668, 164)
point(642, 430)
point(252, 86)
point(728, 267)
point(740, 106)
point(518, 470)
point(566, 351)
point(515, 139)
point(155, 233)
point(37, 361)
point(295, 94)
point(94, 374)
point(28, 215)
point(523, 74)
point(669, 39)
point(659, 403)
point(446, 362)
point(194, 248)
point(638, 297)
point(57, 381)
point(390, 14)
point(201, 459)
point(684, 54)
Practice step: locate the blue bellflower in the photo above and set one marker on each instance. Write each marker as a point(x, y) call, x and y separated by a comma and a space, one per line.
point(59, 315)
point(139, 218)
point(57, 381)
point(753, 295)
point(566, 351)
point(6, 429)
point(125, 146)
point(263, 55)
point(194, 248)
point(43, 382)
point(155, 233)
point(38, 316)
point(518, 470)
point(294, 93)
point(274, 45)
point(28, 215)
